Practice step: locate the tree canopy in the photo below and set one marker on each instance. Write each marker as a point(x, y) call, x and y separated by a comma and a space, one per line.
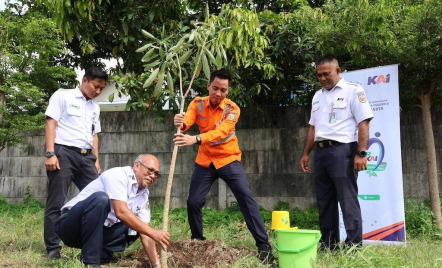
point(32, 67)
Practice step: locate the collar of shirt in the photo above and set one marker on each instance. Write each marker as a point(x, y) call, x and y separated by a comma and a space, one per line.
point(338, 85)
point(134, 182)
point(222, 105)
point(80, 95)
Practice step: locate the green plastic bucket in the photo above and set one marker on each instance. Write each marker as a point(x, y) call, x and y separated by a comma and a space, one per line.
point(296, 248)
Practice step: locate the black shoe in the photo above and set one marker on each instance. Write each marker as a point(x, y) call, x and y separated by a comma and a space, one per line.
point(92, 265)
point(198, 238)
point(111, 260)
point(54, 254)
point(265, 253)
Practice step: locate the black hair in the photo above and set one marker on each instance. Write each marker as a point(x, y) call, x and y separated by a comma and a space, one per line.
point(96, 73)
point(222, 74)
point(327, 59)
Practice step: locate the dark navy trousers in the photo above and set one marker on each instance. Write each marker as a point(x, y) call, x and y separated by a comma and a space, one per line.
point(74, 167)
point(83, 227)
point(336, 180)
point(235, 178)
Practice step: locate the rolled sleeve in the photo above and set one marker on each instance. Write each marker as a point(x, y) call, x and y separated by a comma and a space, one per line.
point(56, 106)
point(190, 117)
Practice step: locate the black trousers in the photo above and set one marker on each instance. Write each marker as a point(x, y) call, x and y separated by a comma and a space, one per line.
point(233, 175)
point(74, 167)
point(336, 180)
point(83, 227)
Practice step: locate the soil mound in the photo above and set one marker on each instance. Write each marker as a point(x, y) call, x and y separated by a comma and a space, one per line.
point(192, 253)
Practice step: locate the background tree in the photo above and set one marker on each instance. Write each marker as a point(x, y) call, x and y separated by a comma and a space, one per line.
point(372, 33)
point(31, 54)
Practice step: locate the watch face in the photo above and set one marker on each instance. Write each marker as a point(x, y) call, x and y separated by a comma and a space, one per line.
point(49, 154)
point(363, 153)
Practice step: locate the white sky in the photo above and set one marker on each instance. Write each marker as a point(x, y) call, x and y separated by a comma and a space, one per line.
point(109, 64)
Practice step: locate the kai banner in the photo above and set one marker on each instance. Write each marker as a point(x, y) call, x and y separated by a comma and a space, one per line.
point(381, 194)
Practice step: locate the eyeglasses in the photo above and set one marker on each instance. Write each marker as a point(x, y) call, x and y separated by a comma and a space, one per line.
point(151, 170)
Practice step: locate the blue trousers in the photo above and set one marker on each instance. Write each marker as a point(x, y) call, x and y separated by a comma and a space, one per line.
point(233, 175)
point(336, 180)
point(83, 227)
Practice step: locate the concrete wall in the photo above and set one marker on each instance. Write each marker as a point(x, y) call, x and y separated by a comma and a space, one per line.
point(271, 142)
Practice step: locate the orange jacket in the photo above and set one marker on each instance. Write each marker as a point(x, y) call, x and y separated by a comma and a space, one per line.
point(217, 127)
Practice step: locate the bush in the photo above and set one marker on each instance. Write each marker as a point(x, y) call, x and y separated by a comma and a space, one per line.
point(419, 220)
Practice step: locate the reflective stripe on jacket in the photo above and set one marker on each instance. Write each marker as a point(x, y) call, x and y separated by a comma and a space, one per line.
point(217, 127)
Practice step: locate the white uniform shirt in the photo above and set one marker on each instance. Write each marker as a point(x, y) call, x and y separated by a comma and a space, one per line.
point(77, 119)
point(350, 106)
point(119, 184)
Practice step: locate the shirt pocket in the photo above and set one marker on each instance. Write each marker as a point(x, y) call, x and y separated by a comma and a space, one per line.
point(341, 110)
point(202, 121)
point(316, 112)
point(74, 110)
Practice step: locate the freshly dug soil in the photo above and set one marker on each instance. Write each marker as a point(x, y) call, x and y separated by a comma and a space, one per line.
point(191, 253)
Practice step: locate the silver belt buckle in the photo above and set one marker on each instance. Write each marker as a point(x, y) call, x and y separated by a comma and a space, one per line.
point(321, 144)
point(83, 151)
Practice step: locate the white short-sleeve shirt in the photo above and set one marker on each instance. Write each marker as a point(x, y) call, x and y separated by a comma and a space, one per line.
point(119, 184)
point(78, 119)
point(349, 106)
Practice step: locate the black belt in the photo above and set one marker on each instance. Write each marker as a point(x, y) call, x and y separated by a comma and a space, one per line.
point(76, 149)
point(326, 143)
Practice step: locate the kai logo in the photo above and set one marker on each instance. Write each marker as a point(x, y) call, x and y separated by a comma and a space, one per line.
point(379, 79)
point(375, 156)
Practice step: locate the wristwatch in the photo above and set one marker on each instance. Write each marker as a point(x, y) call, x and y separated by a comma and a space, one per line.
point(198, 140)
point(155, 264)
point(362, 153)
point(49, 154)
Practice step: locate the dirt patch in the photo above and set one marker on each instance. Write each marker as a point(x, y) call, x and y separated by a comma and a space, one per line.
point(191, 253)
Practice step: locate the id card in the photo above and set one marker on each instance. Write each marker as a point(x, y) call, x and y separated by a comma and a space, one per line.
point(332, 118)
point(131, 232)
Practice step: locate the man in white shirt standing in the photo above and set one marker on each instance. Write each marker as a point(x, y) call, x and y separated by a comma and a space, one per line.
point(339, 125)
point(111, 212)
point(72, 124)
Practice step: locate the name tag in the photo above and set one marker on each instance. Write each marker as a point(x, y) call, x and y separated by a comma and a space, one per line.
point(131, 232)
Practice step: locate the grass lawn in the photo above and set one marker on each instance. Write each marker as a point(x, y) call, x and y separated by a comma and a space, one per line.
point(21, 242)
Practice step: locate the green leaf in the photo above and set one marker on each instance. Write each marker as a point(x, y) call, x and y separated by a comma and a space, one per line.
point(159, 85)
point(152, 77)
point(224, 53)
point(148, 35)
point(206, 67)
point(170, 82)
point(148, 54)
point(111, 97)
point(185, 56)
point(229, 39)
point(151, 65)
point(143, 48)
point(125, 28)
point(206, 11)
point(177, 46)
point(160, 50)
point(212, 58)
point(198, 69)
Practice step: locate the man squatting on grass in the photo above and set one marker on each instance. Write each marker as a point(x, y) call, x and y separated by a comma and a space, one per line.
point(111, 213)
point(218, 157)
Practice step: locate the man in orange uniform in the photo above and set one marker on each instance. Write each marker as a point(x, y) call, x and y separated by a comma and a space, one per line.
point(218, 157)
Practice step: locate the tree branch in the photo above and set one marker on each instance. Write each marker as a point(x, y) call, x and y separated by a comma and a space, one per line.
point(434, 83)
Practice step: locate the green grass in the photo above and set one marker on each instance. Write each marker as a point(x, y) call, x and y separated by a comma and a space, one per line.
point(21, 238)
